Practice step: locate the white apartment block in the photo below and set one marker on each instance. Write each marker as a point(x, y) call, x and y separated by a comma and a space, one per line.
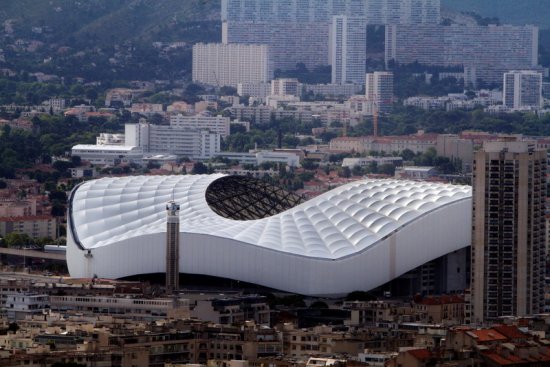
point(298, 30)
point(56, 104)
point(522, 89)
point(183, 142)
point(259, 157)
point(256, 114)
point(379, 89)
point(286, 87)
point(216, 124)
point(348, 49)
point(485, 52)
point(333, 90)
point(108, 154)
point(221, 64)
point(296, 11)
point(258, 90)
point(19, 306)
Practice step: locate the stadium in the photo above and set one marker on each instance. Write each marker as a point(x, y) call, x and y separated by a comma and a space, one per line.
point(355, 237)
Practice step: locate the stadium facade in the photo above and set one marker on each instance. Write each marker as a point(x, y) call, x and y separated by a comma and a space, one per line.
point(355, 237)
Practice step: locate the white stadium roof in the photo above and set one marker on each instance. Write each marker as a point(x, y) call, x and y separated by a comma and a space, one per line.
point(355, 237)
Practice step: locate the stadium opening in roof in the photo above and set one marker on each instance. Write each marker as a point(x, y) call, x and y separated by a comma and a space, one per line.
point(354, 237)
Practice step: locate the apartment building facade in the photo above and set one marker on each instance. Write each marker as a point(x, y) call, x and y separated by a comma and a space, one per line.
point(220, 64)
point(508, 230)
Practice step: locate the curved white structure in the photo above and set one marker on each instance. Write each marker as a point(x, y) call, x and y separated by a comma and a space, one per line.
point(355, 237)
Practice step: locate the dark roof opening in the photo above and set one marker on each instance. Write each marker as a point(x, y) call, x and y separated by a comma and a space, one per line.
point(247, 198)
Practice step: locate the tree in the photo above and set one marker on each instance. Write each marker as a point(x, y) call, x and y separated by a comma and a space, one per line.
point(199, 169)
point(344, 172)
point(16, 240)
point(318, 305)
point(76, 160)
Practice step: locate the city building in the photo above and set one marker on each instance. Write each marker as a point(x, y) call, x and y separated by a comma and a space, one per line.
point(214, 124)
point(348, 49)
point(456, 149)
point(332, 90)
point(297, 31)
point(221, 64)
point(286, 87)
point(35, 226)
point(173, 139)
point(256, 114)
point(19, 306)
point(522, 90)
point(108, 154)
point(484, 52)
point(124, 307)
point(110, 139)
point(355, 237)
point(367, 161)
point(233, 310)
point(257, 90)
point(379, 90)
point(377, 12)
point(508, 234)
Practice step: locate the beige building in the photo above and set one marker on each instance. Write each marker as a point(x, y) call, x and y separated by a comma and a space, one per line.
point(136, 308)
point(508, 234)
point(442, 309)
point(17, 208)
point(37, 226)
point(455, 148)
point(349, 144)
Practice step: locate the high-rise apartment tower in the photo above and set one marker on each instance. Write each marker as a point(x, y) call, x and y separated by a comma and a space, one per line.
point(508, 231)
point(522, 89)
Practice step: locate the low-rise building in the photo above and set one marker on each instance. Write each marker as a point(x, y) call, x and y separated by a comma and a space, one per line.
point(108, 154)
point(135, 308)
point(35, 226)
point(19, 306)
point(233, 310)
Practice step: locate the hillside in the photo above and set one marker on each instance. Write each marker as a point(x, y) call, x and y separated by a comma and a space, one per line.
point(114, 20)
point(508, 11)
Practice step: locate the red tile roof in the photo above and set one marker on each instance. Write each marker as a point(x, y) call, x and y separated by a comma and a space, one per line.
point(511, 332)
point(420, 354)
point(441, 300)
point(487, 335)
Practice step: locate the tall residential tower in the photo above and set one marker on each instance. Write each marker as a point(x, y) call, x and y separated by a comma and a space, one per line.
point(508, 234)
point(522, 89)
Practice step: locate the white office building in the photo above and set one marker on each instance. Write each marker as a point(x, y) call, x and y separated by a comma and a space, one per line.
point(108, 154)
point(348, 49)
point(522, 89)
point(216, 124)
point(221, 64)
point(183, 142)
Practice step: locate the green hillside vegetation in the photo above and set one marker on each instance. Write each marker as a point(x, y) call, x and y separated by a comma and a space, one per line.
point(98, 21)
point(508, 11)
